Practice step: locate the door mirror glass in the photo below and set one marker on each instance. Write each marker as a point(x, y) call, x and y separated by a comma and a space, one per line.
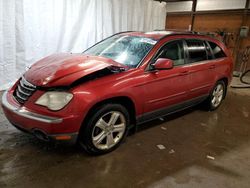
point(163, 64)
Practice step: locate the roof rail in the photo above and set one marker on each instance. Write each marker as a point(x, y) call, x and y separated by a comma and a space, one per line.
point(179, 31)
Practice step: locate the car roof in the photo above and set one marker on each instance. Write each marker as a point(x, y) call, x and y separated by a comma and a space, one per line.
point(159, 34)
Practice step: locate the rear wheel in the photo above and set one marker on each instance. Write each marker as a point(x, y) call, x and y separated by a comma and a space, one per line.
point(216, 96)
point(105, 129)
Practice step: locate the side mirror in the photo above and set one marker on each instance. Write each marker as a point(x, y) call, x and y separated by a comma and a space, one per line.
point(163, 64)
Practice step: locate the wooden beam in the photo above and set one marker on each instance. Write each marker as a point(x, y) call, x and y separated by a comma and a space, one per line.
point(233, 11)
point(193, 15)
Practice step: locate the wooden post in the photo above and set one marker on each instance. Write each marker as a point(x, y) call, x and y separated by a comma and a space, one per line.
point(193, 14)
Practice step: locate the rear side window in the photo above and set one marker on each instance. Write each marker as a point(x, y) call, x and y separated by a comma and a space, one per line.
point(196, 50)
point(174, 51)
point(216, 50)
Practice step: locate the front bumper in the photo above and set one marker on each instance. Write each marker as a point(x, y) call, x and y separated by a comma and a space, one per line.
point(41, 126)
point(21, 111)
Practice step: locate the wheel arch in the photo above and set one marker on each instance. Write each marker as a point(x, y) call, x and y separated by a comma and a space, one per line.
point(225, 80)
point(127, 102)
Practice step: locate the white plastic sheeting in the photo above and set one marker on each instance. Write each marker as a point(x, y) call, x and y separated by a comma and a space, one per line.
point(32, 29)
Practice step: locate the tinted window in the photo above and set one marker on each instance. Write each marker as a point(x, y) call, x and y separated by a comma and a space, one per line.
point(209, 52)
point(174, 51)
point(217, 51)
point(197, 50)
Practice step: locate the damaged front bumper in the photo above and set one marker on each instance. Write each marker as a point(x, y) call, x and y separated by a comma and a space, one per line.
point(27, 114)
point(34, 123)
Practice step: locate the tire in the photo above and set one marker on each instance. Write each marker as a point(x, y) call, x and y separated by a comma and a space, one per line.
point(105, 129)
point(216, 96)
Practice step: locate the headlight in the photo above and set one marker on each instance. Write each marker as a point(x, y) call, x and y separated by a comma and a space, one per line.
point(54, 100)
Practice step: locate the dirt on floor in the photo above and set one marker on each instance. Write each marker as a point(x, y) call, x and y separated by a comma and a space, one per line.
point(193, 148)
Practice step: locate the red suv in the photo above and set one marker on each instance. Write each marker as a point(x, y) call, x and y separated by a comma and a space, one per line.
point(95, 97)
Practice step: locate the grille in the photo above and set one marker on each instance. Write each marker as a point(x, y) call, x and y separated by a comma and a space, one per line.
point(24, 90)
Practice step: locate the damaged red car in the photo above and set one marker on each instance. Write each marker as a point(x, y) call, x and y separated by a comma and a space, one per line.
point(95, 97)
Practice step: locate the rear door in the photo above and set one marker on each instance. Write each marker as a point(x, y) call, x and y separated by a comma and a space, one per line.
point(201, 67)
point(221, 64)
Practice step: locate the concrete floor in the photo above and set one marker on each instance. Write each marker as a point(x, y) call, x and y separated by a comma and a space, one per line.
point(202, 149)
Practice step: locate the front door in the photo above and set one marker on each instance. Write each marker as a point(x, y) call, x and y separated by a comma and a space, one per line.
point(165, 88)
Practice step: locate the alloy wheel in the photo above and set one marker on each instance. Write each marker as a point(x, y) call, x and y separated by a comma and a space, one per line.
point(217, 95)
point(108, 130)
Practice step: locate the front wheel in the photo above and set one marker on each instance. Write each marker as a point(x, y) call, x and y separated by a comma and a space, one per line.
point(216, 96)
point(105, 129)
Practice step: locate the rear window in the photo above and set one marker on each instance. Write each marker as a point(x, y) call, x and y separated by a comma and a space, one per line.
point(197, 50)
point(216, 50)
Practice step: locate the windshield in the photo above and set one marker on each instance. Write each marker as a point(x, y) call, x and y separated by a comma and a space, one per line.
point(124, 49)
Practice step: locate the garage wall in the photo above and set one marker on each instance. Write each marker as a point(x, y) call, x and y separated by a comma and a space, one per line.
point(229, 23)
point(211, 23)
point(205, 21)
point(178, 22)
point(30, 30)
point(246, 41)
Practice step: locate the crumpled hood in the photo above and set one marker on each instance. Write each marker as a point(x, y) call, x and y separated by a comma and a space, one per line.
point(63, 69)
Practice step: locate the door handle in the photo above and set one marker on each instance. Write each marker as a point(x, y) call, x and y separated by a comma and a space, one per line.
point(212, 67)
point(184, 73)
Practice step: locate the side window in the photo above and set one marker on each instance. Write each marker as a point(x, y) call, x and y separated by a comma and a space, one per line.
point(217, 51)
point(197, 50)
point(174, 51)
point(209, 51)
